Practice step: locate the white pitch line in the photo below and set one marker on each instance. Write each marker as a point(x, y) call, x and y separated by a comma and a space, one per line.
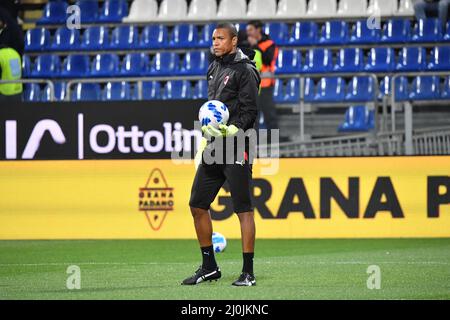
point(223, 262)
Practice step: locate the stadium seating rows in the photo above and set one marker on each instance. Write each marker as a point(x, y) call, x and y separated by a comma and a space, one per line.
point(109, 65)
point(361, 89)
point(325, 90)
point(116, 91)
point(349, 60)
point(155, 36)
point(93, 11)
point(120, 38)
point(378, 60)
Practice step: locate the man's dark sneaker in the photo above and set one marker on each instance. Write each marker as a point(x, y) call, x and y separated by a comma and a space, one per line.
point(245, 280)
point(203, 275)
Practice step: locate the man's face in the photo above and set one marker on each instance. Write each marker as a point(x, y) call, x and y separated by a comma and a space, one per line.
point(253, 32)
point(223, 42)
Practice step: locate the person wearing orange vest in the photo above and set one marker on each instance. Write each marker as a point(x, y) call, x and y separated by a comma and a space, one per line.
point(269, 50)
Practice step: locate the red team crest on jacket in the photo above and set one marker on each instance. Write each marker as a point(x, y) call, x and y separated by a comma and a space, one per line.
point(156, 199)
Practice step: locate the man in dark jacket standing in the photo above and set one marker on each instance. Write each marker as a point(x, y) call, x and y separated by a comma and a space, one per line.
point(233, 80)
point(258, 40)
point(11, 34)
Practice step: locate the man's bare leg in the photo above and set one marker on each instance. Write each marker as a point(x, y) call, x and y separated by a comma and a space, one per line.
point(248, 232)
point(203, 226)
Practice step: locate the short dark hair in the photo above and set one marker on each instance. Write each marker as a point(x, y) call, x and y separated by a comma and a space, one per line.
point(256, 23)
point(230, 27)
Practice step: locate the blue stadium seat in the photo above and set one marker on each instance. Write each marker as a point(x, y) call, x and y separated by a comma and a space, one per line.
point(380, 60)
point(116, 91)
point(288, 61)
point(206, 35)
point(200, 90)
point(26, 66)
point(54, 13)
point(278, 32)
point(113, 11)
point(292, 91)
point(194, 63)
point(334, 33)
point(124, 38)
point(278, 91)
point(446, 36)
point(46, 66)
point(440, 59)
point(151, 90)
point(184, 36)
point(304, 33)
point(318, 60)
point(105, 65)
point(165, 64)
point(445, 92)
point(429, 30)
point(358, 119)
point(287, 93)
point(330, 89)
point(349, 60)
point(360, 89)
point(31, 92)
point(66, 39)
point(401, 88)
point(241, 26)
point(310, 90)
point(75, 66)
point(385, 87)
point(95, 38)
point(88, 10)
point(412, 59)
point(177, 89)
point(60, 92)
point(37, 40)
point(154, 37)
point(396, 31)
point(86, 92)
point(425, 88)
point(361, 34)
point(134, 65)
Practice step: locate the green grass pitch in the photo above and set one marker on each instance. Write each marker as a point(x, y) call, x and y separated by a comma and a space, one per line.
point(285, 269)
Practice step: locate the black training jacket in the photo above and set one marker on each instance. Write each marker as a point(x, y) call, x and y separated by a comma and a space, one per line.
point(234, 80)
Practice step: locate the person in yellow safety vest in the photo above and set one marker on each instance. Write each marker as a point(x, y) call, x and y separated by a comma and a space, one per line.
point(254, 54)
point(10, 69)
point(269, 54)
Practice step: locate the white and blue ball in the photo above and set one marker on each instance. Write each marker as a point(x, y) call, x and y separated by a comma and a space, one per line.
point(213, 112)
point(219, 242)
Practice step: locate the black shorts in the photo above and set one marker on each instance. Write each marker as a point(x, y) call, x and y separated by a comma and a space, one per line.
point(210, 178)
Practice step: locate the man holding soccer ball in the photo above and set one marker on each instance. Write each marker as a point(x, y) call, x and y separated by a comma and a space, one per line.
point(234, 80)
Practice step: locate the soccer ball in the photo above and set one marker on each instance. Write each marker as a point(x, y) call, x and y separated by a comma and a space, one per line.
point(213, 112)
point(219, 242)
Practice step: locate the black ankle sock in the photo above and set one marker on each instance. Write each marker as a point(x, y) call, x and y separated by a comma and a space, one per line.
point(248, 262)
point(209, 261)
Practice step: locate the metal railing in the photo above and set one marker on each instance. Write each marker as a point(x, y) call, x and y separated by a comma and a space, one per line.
point(428, 141)
point(408, 112)
point(47, 81)
point(137, 80)
point(300, 76)
point(434, 141)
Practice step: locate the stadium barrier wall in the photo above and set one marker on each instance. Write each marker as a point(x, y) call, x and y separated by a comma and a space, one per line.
point(97, 130)
point(370, 197)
